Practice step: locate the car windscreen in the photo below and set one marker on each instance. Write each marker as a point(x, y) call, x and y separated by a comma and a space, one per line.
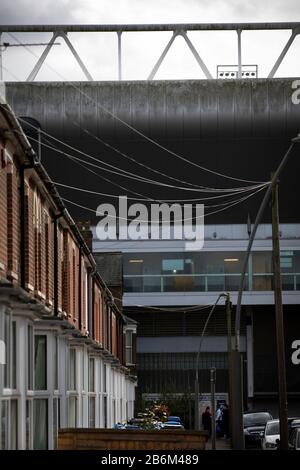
point(272, 429)
point(256, 419)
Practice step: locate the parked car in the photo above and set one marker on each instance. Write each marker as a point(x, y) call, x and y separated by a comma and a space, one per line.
point(172, 425)
point(294, 423)
point(173, 422)
point(272, 432)
point(271, 435)
point(132, 427)
point(174, 419)
point(254, 427)
point(119, 426)
point(294, 439)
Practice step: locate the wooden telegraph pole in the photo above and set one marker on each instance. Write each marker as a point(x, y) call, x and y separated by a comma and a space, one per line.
point(282, 389)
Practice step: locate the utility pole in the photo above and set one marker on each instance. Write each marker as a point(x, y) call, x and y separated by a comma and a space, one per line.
point(237, 388)
point(282, 392)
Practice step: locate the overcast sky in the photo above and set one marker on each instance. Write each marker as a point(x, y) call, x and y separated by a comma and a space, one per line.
point(141, 50)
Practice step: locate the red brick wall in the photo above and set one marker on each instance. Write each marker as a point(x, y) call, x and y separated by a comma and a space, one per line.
point(105, 341)
point(84, 319)
point(43, 248)
point(50, 270)
point(3, 215)
point(48, 258)
point(60, 267)
point(96, 335)
point(36, 259)
point(39, 248)
point(76, 287)
point(70, 278)
point(101, 318)
point(109, 335)
point(29, 238)
point(66, 288)
point(120, 341)
point(103, 324)
point(39, 259)
point(97, 315)
point(13, 223)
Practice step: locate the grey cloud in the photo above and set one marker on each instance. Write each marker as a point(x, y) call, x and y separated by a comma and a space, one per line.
point(68, 11)
point(36, 12)
point(255, 10)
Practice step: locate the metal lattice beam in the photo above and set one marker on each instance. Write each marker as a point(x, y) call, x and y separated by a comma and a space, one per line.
point(42, 59)
point(146, 27)
point(45, 53)
point(177, 29)
point(290, 41)
point(196, 55)
point(161, 58)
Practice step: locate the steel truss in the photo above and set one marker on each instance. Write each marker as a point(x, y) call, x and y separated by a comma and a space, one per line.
point(176, 29)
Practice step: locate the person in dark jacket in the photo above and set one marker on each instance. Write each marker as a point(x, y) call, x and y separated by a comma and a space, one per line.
point(225, 421)
point(206, 420)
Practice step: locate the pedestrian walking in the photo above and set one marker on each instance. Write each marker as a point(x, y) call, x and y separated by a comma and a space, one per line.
point(219, 421)
point(225, 421)
point(206, 420)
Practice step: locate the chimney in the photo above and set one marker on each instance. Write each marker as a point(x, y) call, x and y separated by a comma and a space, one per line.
point(84, 228)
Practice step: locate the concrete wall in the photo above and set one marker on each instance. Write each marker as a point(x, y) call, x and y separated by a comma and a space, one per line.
point(185, 344)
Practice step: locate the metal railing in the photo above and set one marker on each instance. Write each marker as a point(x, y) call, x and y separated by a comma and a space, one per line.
point(213, 282)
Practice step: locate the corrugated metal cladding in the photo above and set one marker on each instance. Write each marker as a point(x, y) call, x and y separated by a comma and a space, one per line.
point(175, 373)
point(180, 323)
point(241, 128)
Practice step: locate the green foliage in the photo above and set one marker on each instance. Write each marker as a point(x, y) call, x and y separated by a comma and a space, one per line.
point(170, 404)
point(153, 415)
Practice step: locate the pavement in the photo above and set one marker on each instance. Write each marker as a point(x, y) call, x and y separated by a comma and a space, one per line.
point(221, 444)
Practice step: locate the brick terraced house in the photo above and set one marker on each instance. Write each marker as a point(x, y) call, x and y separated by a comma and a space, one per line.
point(62, 336)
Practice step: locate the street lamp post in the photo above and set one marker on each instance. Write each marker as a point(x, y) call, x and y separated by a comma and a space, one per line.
point(282, 393)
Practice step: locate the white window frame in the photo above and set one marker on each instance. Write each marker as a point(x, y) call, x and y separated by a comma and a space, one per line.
point(129, 347)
